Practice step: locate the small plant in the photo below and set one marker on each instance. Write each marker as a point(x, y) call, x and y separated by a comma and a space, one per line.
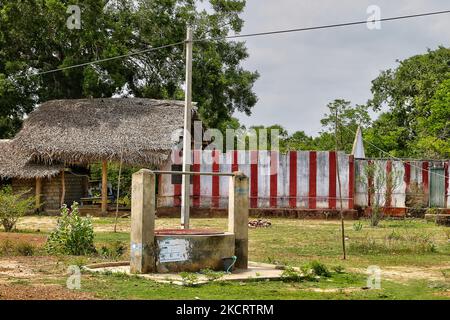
point(338, 269)
point(189, 279)
point(358, 225)
point(13, 206)
point(73, 235)
point(212, 275)
point(319, 269)
point(290, 274)
point(113, 251)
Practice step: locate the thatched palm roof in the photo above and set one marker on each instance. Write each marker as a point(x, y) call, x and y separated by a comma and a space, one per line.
point(14, 164)
point(91, 130)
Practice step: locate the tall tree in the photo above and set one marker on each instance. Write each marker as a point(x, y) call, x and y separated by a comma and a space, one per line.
point(407, 92)
point(34, 38)
point(348, 119)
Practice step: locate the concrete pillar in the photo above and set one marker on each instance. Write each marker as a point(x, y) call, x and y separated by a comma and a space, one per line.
point(238, 217)
point(143, 205)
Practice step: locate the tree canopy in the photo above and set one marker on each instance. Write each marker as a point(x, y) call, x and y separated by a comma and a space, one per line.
point(34, 38)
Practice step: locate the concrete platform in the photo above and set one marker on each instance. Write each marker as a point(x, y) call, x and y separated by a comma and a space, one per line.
point(256, 271)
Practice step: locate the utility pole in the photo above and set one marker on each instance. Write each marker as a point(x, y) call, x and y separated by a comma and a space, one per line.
point(340, 187)
point(186, 185)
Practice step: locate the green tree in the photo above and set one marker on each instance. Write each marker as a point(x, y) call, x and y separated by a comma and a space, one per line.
point(407, 92)
point(34, 38)
point(434, 130)
point(299, 140)
point(348, 119)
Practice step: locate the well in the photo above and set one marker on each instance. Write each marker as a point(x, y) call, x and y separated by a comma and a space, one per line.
point(185, 251)
point(181, 250)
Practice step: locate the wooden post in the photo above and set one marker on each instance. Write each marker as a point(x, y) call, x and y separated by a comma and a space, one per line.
point(63, 188)
point(185, 182)
point(38, 193)
point(238, 217)
point(104, 187)
point(143, 204)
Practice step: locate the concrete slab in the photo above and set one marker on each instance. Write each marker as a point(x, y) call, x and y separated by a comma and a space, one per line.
point(255, 271)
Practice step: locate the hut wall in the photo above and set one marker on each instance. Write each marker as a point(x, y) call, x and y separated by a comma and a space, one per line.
point(52, 188)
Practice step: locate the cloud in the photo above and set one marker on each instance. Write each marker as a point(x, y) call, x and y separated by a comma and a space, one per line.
point(302, 72)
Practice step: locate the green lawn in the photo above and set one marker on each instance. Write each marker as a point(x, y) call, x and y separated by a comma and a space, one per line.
point(414, 257)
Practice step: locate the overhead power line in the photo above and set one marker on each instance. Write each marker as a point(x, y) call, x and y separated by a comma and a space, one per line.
point(266, 33)
point(337, 25)
point(394, 157)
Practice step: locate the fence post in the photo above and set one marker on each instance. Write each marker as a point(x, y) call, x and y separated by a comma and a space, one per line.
point(143, 204)
point(238, 217)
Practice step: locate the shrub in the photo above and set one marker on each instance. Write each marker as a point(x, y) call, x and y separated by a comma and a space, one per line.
point(319, 269)
point(113, 251)
point(13, 206)
point(289, 274)
point(73, 235)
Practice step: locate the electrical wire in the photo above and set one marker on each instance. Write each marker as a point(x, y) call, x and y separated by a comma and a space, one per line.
point(394, 157)
point(266, 33)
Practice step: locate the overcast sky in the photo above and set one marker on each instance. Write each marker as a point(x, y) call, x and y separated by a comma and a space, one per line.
point(302, 72)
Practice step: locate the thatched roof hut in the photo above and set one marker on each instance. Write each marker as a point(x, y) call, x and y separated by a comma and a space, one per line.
point(94, 130)
point(15, 164)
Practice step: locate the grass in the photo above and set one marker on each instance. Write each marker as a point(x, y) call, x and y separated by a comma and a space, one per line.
point(394, 243)
point(339, 286)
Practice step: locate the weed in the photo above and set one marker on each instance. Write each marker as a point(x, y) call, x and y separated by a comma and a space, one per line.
point(212, 275)
point(24, 249)
point(358, 225)
point(189, 279)
point(290, 274)
point(112, 251)
point(338, 269)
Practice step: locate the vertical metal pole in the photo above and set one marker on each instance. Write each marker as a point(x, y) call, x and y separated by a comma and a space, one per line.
point(185, 190)
point(340, 188)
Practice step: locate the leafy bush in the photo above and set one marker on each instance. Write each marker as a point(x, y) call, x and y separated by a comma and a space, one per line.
point(289, 274)
point(13, 206)
point(319, 269)
point(73, 235)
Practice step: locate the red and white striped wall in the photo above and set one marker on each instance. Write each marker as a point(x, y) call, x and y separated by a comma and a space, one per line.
point(410, 175)
point(299, 179)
